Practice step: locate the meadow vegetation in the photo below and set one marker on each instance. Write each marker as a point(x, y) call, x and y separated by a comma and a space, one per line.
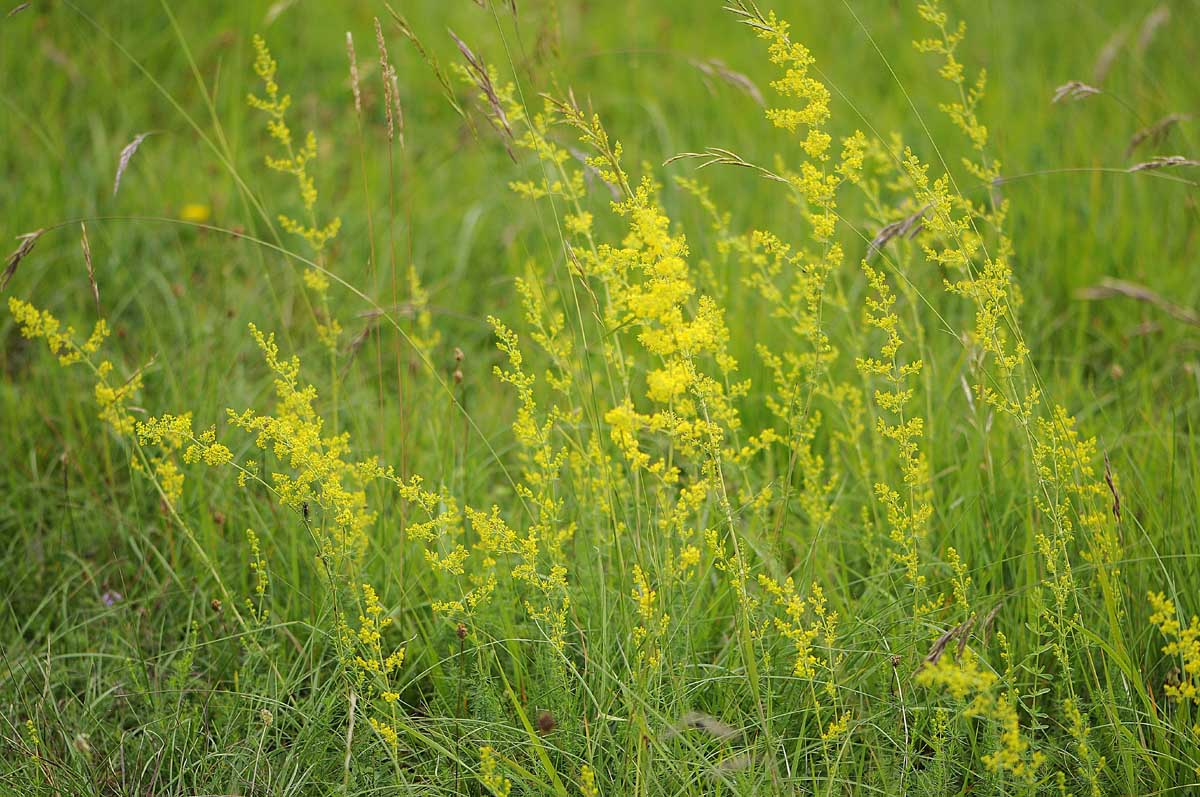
point(600, 399)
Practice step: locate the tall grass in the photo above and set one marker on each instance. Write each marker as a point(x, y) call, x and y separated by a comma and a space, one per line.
point(717, 504)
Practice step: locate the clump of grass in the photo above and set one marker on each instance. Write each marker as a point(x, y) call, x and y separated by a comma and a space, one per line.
point(722, 489)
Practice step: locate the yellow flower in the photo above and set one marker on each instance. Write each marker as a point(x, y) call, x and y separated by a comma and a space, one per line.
point(489, 773)
point(196, 213)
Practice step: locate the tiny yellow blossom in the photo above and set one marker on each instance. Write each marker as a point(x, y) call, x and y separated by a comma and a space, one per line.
point(196, 213)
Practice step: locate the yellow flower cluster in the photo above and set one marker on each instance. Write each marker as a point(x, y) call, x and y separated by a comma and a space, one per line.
point(257, 604)
point(497, 539)
point(792, 625)
point(797, 84)
point(837, 728)
point(907, 514)
point(652, 621)
point(296, 161)
point(489, 773)
point(963, 112)
point(319, 471)
point(587, 782)
point(963, 680)
point(175, 430)
point(556, 180)
point(41, 324)
point(1093, 763)
point(369, 636)
point(371, 669)
point(112, 398)
point(1184, 643)
point(649, 287)
point(543, 539)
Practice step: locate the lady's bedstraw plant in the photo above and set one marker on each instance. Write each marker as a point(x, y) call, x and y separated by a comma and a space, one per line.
point(157, 448)
point(794, 283)
point(672, 407)
point(793, 280)
point(295, 162)
point(112, 396)
point(1183, 642)
point(907, 512)
point(968, 240)
point(644, 287)
point(309, 471)
point(1068, 492)
point(651, 487)
point(977, 691)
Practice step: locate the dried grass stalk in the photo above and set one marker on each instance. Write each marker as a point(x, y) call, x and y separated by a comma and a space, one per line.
point(909, 227)
point(1154, 20)
point(276, 10)
point(354, 72)
point(430, 61)
point(959, 632)
point(736, 763)
point(127, 155)
point(87, 258)
point(394, 83)
point(1163, 162)
point(391, 89)
point(1112, 488)
point(1156, 132)
point(26, 246)
point(477, 69)
point(1073, 90)
point(362, 337)
point(715, 67)
point(1109, 288)
point(1108, 55)
point(706, 723)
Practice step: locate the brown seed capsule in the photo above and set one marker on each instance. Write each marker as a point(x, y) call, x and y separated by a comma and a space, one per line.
point(216, 604)
point(461, 631)
point(458, 376)
point(546, 722)
point(458, 355)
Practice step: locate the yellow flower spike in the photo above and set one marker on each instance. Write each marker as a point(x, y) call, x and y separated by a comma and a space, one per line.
point(386, 732)
point(1184, 642)
point(966, 682)
point(587, 782)
point(837, 728)
point(489, 773)
point(111, 399)
point(258, 565)
point(296, 161)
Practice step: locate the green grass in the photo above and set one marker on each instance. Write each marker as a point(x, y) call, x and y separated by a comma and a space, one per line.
point(127, 665)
